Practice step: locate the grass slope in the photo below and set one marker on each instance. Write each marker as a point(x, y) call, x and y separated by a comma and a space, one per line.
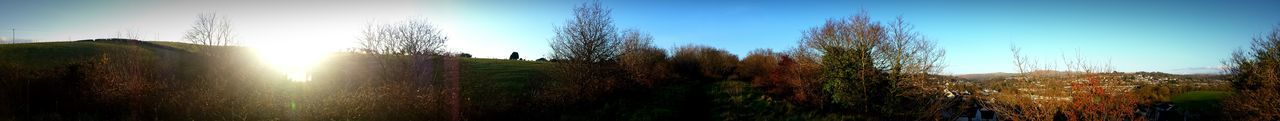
point(57, 54)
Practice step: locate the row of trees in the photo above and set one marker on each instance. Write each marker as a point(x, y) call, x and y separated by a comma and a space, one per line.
point(873, 70)
point(852, 65)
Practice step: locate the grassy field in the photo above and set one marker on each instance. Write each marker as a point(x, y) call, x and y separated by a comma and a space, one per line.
point(56, 54)
point(1200, 100)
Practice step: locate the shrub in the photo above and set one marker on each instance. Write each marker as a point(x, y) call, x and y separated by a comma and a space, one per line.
point(700, 62)
point(643, 62)
point(758, 67)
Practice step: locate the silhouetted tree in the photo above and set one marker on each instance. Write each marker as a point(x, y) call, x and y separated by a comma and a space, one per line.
point(410, 37)
point(211, 29)
point(541, 60)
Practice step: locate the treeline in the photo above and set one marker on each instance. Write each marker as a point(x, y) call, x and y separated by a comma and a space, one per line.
point(860, 69)
point(852, 68)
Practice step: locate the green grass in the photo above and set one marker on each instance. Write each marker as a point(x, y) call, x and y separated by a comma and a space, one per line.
point(58, 54)
point(496, 84)
point(1200, 100)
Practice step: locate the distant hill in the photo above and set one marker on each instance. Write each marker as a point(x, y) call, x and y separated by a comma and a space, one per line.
point(15, 41)
point(1128, 77)
point(985, 76)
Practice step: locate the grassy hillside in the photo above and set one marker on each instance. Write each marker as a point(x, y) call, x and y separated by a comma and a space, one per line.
point(57, 54)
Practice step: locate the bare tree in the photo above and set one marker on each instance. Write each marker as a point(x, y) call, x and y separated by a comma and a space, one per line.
point(410, 37)
point(878, 68)
point(589, 37)
point(211, 29)
point(586, 50)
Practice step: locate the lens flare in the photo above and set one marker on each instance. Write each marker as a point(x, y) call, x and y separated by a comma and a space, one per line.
point(294, 61)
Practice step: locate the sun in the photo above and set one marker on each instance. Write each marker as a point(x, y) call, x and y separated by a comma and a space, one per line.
point(294, 61)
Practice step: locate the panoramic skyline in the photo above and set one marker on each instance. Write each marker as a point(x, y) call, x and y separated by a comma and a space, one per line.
point(1175, 37)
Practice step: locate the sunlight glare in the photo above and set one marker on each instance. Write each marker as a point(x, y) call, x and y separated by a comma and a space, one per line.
point(295, 61)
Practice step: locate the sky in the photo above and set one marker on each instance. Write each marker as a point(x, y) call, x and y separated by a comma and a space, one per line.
point(1166, 36)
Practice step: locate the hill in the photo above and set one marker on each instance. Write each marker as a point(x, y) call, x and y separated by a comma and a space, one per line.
point(172, 80)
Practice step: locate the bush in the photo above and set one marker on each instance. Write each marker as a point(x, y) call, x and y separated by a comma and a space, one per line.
point(645, 63)
point(758, 67)
point(700, 62)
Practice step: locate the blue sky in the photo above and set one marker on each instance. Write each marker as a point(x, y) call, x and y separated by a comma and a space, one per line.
point(1168, 36)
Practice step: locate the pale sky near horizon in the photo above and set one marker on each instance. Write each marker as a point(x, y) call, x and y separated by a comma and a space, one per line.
point(1166, 36)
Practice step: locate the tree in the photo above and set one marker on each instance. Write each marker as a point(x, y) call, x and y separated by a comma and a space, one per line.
point(585, 51)
point(1255, 75)
point(211, 29)
point(589, 37)
point(410, 37)
point(878, 70)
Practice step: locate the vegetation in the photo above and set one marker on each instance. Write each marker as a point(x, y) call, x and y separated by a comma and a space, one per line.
point(589, 37)
point(1256, 80)
point(410, 37)
point(850, 68)
point(645, 63)
point(874, 70)
point(211, 29)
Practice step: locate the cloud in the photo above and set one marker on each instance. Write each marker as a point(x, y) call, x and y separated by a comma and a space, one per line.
point(1200, 70)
